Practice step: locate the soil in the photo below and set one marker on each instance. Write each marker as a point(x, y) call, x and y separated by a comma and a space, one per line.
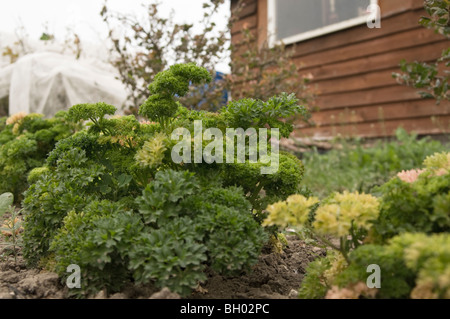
point(275, 276)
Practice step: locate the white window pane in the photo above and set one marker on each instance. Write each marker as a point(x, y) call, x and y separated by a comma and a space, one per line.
point(297, 16)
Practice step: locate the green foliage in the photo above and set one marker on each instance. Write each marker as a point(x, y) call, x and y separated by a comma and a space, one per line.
point(439, 18)
point(396, 279)
point(70, 209)
point(11, 226)
point(160, 201)
point(287, 179)
point(153, 152)
point(222, 217)
point(426, 76)
point(25, 142)
point(80, 140)
point(79, 170)
point(171, 256)
point(357, 168)
point(419, 206)
point(276, 186)
point(94, 112)
point(161, 105)
point(67, 187)
point(346, 217)
point(110, 199)
point(428, 256)
point(255, 113)
point(169, 242)
point(233, 238)
point(97, 238)
point(409, 240)
point(432, 77)
point(412, 266)
point(314, 284)
point(35, 173)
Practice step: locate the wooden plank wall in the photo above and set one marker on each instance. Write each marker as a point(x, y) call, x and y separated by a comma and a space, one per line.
point(352, 70)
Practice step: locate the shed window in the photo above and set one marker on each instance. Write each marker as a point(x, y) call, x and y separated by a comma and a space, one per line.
point(296, 20)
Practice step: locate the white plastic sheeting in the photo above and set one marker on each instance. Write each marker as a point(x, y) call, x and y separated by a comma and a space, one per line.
point(48, 81)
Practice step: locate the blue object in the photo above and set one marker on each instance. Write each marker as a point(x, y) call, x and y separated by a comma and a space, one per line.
point(218, 77)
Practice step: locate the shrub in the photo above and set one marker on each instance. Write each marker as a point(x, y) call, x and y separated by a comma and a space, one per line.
point(25, 141)
point(417, 206)
point(111, 200)
point(169, 242)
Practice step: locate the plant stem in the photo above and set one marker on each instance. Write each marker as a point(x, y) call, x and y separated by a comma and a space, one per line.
point(258, 188)
point(340, 249)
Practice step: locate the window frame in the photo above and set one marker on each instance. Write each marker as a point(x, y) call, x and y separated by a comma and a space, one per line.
point(271, 26)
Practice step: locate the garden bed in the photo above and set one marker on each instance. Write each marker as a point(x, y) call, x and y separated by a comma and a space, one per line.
point(275, 276)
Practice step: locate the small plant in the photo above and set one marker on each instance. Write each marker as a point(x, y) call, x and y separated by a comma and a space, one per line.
point(341, 223)
point(343, 216)
point(413, 265)
point(11, 226)
point(403, 198)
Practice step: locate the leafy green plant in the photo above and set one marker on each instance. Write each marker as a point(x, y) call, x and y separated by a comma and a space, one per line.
point(11, 227)
point(169, 242)
point(93, 112)
point(6, 200)
point(98, 238)
point(110, 199)
point(346, 217)
point(171, 255)
point(317, 282)
point(396, 279)
point(412, 266)
point(439, 19)
point(277, 113)
point(219, 215)
point(341, 223)
point(426, 193)
point(246, 113)
point(432, 78)
point(427, 77)
point(25, 142)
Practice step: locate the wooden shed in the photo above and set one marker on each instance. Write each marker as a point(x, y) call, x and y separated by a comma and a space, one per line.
point(352, 64)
